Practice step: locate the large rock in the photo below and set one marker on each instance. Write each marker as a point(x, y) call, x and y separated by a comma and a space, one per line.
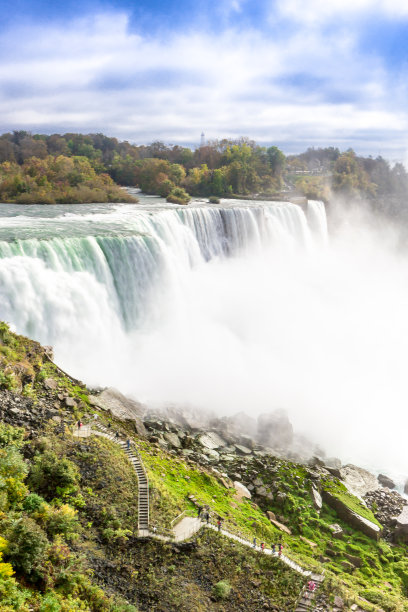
point(275, 430)
point(281, 527)
point(241, 490)
point(385, 481)
point(352, 518)
point(121, 407)
point(358, 481)
point(243, 450)
point(172, 439)
point(401, 526)
point(316, 499)
point(211, 440)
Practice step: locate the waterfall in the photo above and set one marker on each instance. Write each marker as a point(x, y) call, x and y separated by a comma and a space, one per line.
point(97, 285)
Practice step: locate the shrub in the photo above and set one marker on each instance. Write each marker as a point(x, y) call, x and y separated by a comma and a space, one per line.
point(27, 544)
point(222, 589)
point(11, 436)
point(178, 196)
point(50, 603)
point(32, 502)
point(214, 200)
point(52, 476)
point(61, 520)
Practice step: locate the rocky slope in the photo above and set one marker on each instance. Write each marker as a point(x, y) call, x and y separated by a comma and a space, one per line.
point(76, 501)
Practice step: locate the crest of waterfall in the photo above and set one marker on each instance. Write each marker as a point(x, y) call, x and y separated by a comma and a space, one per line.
point(68, 275)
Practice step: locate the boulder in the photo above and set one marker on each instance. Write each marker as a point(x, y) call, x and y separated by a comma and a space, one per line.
point(306, 541)
point(358, 481)
point(385, 481)
point(50, 383)
point(242, 450)
point(241, 490)
point(338, 602)
point(211, 440)
point(366, 526)
point(316, 499)
point(275, 429)
point(401, 526)
point(211, 454)
point(261, 491)
point(337, 531)
point(271, 515)
point(121, 407)
point(281, 527)
point(172, 439)
point(70, 402)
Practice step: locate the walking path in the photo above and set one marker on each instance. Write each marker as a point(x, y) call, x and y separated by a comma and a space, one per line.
point(188, 526)
point(143, 489)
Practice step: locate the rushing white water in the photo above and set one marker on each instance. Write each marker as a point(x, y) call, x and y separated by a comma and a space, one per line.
point(242, 306)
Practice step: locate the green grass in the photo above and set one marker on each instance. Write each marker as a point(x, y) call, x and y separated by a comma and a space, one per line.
point(340, 491)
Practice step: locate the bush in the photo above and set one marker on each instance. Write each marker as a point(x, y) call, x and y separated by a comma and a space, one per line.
point(11, 436)
point(52, 476)
point(62, 520)
point(214, 200)
point(178, 196)
point(27, 544)
point(32, 502)
point(222, 589)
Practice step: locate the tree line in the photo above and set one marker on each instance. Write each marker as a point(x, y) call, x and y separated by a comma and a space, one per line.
point(220, 168)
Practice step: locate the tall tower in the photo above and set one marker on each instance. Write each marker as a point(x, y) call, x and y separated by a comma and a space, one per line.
point(202, 141)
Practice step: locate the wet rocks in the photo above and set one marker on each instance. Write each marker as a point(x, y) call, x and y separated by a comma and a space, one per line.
point(316, 499)
point(50, 383)
point(352, 518)
point(386, 505)
point(275, 430)
point(243, 450)
point(211, 440)
point(358, 481)
point(120, 406)
point(337, 531)
point(241, 490)
point(385, 481)
point(401, 526)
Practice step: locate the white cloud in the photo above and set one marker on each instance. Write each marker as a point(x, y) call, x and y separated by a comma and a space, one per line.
point(95, 74)
point(317, 11)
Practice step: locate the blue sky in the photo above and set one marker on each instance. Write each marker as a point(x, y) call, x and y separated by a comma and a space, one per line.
point(283, 72)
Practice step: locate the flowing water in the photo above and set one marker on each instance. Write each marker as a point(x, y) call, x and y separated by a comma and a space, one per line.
point(238, 306)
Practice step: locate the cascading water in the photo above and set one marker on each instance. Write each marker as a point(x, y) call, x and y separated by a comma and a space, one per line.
point(243, 306)
point(108, 276)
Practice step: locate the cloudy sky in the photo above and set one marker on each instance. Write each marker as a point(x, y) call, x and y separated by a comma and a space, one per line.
point(294, 73)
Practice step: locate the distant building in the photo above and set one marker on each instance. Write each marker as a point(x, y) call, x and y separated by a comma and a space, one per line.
point(202, 141)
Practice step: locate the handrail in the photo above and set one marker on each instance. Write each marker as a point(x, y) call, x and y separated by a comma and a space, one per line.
point(177, 517)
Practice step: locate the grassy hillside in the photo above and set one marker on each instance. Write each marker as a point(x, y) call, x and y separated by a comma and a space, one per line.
point(68, 510)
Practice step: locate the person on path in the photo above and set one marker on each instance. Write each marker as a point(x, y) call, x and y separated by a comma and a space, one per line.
point(109, 425)
point(311, 587)
point(273, 548)
point(280, 548)
point(128, 444)
point(79, 425)
point(207, 518)
point(95, 416)
point(262, 546)
point(117, 435)
point(254, 542)
point(199, 510)
point(219, 523)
